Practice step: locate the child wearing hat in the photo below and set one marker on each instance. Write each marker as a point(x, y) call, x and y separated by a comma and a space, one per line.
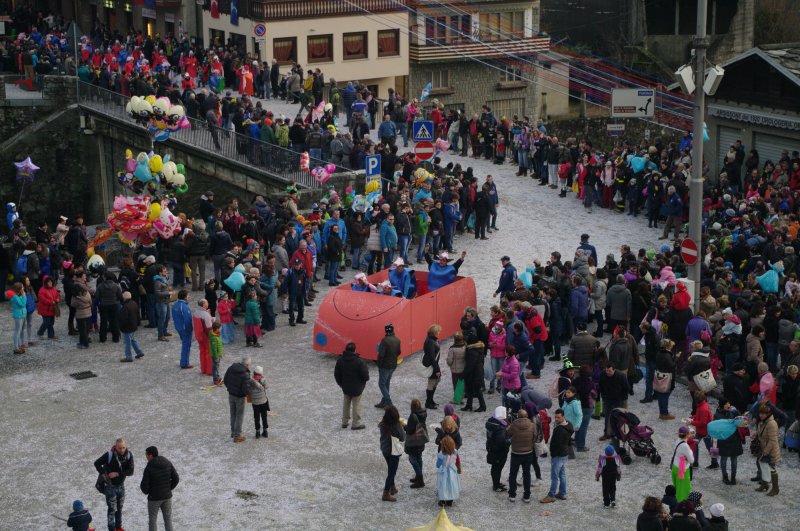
point(80, 518)
point(717, 522)
point(609, 467)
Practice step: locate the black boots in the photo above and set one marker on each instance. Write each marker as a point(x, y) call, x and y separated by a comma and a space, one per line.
point(775, 490)
point(418, 482)
point(429, 403)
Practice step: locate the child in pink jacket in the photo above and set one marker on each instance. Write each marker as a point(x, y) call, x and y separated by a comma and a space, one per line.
point(497, 349)
point(509, 372)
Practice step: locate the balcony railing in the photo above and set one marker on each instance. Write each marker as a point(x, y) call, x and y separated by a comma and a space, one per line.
point(270, 11)
point(256, 158)
point(463, 49)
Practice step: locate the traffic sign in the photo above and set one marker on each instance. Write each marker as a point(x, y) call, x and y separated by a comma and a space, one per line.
point(689, 251)
point(423, 130)
point(373, 165)
point(259, 30)
point(633, 103)
point(615, 129)
point(424, 150)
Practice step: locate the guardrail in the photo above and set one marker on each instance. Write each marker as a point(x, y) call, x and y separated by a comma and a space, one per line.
point(255, 156)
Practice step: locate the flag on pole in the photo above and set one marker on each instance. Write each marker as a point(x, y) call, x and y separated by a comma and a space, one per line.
point(234, 12)
point(214, 8)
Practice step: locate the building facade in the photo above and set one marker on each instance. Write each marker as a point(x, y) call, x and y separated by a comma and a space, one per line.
point(486, 52)
point(758, 102)
point(338, 37)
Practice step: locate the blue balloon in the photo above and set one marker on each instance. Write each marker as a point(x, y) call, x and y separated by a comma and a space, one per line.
point(142, 172)
point(527, 279)
point(235, 281)
point(637, 163)
point(722, 428)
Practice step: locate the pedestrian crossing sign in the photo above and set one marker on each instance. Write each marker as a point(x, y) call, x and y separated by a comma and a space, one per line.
point(423, 130)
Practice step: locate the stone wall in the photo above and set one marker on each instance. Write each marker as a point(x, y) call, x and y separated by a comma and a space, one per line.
point(594, 130)
point(473, 85)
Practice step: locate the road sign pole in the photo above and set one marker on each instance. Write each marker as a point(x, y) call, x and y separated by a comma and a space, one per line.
point(696, 185)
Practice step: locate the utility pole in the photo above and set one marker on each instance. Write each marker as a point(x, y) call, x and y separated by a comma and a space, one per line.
point(696, 185)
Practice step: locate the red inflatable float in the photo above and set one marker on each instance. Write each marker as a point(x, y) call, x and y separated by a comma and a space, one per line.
point(346, 315)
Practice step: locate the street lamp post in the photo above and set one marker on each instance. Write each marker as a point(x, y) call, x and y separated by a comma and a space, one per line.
point(696, 184)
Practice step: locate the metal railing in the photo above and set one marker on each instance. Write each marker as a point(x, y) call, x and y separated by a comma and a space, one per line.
point(257, 158)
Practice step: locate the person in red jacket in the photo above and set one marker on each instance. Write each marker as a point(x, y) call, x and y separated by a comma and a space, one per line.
point(49, 297)
point(307, 259)
point(700, 420)
point(537, 332)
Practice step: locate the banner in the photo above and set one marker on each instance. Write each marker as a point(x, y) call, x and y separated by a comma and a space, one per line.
point(234, 12)
point(214, 9)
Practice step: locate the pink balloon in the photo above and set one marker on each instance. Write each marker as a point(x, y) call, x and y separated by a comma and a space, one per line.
point(766, 383)
point(130, 165)
point(330, 168)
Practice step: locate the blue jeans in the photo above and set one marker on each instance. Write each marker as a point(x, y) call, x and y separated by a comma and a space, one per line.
point(421, 249)
point(19, 332)
point(402, 243)
point(161, 317)
point(724, 464)
point(537, 361)
point(415, 458)
point(435, 241)
point(401, 128)
point(178, 275)
point(315, 153)
point(663, 402)
point(558, 476)
point(214, 369)
point(392, 461)
point(648, 382)
point(115, 497)
point(356, 262)
point(333, 271)
point(384, 381)
point(150, 307)
point(130, 343)
point(186, 347)
point(497, 364)
point(580, 435)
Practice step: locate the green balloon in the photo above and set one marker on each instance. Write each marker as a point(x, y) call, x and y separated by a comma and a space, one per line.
point(181, 169)
point(182, 189)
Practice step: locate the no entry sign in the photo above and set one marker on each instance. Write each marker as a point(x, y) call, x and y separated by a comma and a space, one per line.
point(689, 251)
point(424, 150)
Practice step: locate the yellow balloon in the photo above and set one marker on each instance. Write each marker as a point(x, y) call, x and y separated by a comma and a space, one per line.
point(156, 164)
point(150, 99)
point(128, 154)
point(372, 186)
point(90, 252)
point(154, 212)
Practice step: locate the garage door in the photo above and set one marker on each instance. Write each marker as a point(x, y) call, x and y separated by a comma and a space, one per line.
point(770, 147)
point(726, 137)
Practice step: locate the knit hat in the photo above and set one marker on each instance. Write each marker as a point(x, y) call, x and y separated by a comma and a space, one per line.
point(683, 430)
point(695, 497)
point(609, 450)
point(500, 413)
point(258, 369)
point(449, 410)
point(717, 510)
point(77, 505)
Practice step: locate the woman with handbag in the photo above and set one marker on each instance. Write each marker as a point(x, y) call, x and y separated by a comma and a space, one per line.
point(392, 437)
point(430, 364)
point(664, 378)
point(416, 437)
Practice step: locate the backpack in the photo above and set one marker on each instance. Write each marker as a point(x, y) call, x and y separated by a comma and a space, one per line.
point(101, 482)
point(22, 265)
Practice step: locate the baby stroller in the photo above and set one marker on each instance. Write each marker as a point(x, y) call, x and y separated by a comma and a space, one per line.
point(627, 431)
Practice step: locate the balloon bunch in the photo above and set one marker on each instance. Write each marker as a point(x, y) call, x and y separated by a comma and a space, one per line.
point(137, 220)
point(442, 145)
point(148, 171)
point(304, 161)
point(236, 280)
point(160, 116)
point(323, 173)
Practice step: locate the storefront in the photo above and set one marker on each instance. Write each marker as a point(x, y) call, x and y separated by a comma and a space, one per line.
point(757, 103)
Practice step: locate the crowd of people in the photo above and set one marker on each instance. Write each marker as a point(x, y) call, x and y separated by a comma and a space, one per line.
point(744, 334)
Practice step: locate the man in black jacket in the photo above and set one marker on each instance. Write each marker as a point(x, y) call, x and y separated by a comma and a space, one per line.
point(237, 381)
point(559, 450)
point(158, 481)
point(115, 465)
point(388, 352)
point(351, 375)
point(614, 389)
point(128, 320)
point(109, 295)
point(736, 387)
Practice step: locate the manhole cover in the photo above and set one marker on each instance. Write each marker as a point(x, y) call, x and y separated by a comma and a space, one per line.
point(83, 375)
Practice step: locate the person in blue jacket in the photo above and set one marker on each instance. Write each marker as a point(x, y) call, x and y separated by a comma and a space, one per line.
point(506, 285)
point(440, 272)
point(335, 219)
point(388, 240)
point(386, 288)
point(452, 215)
point(182, 317)
point(400, 278)
point(673, 210)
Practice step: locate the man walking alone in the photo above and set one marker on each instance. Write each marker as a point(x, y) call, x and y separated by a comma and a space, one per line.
point(158, 481)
